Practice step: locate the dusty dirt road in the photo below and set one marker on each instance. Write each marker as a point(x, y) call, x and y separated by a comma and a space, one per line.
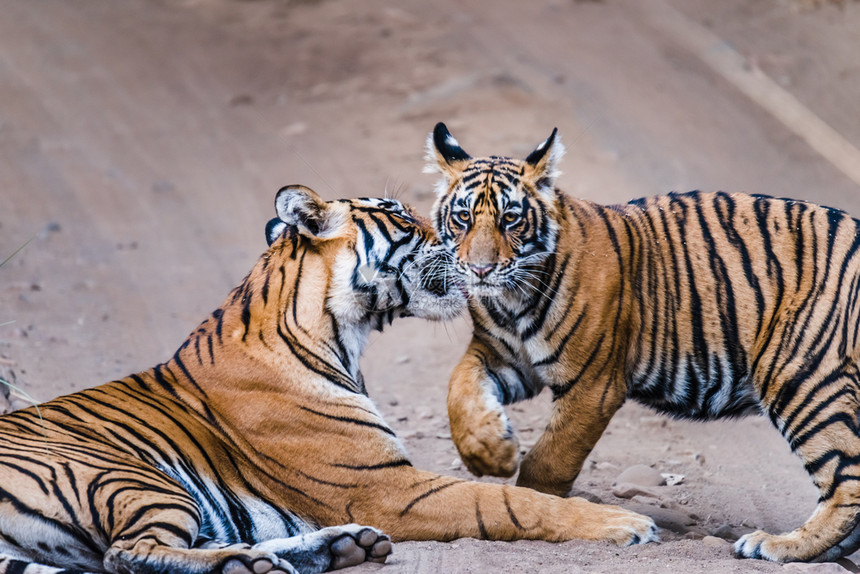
point(142, 142)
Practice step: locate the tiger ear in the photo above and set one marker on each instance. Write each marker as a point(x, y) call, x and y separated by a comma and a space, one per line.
point(274, 229)
point(300, 207)
point(543, 161)
point(444, 153)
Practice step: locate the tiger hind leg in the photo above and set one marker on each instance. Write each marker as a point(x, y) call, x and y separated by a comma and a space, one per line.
point(11, 564)
point(331, 548)
point(157, 531)
point(821, 425)
point(147, 554)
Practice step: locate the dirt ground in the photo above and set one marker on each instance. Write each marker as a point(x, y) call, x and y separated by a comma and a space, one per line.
point(142, 142)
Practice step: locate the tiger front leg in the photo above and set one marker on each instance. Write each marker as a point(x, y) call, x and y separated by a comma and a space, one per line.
point(480, 428)
point(416, 505)
point(579, 417)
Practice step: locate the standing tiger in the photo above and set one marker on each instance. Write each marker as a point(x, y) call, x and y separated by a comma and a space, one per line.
point(701, 305)
point(232, 455)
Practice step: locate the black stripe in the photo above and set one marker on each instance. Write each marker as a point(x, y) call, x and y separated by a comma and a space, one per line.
point(381, 466)
point(351, 420)
point(424, 495)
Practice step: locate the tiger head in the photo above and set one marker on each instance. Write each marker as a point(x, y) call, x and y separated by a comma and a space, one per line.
point(383, 260)
point(497, 216)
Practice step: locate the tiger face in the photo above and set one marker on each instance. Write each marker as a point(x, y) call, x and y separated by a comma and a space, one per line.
point(495, 215)
point(388, 262)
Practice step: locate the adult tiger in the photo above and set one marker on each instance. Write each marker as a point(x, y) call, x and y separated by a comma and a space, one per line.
point(230, 456)
point(701, 305)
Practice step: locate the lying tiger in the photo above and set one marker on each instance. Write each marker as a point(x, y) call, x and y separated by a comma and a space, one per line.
point(701, 305)
point(243, 452)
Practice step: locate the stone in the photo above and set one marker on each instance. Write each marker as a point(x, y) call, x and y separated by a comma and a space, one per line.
point(641, 475)
point(672, 479)
point(626, 490)
point(673, 520)
point(715, 542)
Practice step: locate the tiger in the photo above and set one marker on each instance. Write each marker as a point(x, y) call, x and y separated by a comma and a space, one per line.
point(255, 448)
point(699, 305)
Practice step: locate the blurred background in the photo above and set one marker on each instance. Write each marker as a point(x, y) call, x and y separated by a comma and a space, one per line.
point(142, 143)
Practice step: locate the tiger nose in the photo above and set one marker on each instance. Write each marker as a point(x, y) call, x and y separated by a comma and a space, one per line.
point(481, 270)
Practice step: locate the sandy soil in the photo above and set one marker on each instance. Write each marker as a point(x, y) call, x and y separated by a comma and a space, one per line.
point(141, 143)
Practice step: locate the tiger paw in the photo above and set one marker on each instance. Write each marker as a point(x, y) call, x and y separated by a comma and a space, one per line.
point(251, 562)
point(359, 544)
point(625, 527)
point(764, 546)
point(488, 446)
point(331, 548)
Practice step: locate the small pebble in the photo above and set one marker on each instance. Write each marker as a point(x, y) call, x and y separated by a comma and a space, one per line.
point(673, 520)
point(641, 475)
point(672, 479)
point(626, 490)
point(714, 541)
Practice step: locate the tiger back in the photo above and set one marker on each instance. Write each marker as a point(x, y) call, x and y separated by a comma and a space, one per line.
point(256, 449)
point(701, 305)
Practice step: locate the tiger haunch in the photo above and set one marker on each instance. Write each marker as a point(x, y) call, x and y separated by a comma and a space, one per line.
point(255, 448)
point(701, 305)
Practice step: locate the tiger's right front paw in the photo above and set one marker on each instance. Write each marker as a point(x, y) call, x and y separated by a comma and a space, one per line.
point(488, 444)
point(625, 527)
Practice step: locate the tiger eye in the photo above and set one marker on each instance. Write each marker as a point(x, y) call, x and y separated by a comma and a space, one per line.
point(511, 216)
point(463, 216)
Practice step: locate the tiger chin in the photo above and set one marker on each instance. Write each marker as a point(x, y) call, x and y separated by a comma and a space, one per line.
point(255, 449)
point(700, 305)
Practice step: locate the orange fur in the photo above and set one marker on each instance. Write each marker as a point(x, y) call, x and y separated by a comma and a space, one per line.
point(699, 305)
point(262, 414)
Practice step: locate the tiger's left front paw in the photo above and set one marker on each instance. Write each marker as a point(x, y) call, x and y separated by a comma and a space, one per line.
point(487, 444)
point(359, 544)
point(764, 546)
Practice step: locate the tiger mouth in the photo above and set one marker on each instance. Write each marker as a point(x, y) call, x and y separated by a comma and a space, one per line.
point(436, 285)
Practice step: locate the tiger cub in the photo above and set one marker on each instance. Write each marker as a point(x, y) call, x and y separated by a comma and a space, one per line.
point(701, 305)
point(246, 451)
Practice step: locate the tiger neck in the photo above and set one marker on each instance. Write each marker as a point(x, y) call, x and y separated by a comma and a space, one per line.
point(274, 335)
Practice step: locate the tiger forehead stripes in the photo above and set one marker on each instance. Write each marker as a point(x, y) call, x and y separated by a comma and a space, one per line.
point(255, 448)
point(701, 305)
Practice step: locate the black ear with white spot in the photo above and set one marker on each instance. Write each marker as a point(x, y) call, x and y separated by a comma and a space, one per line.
point(544, 160)
point(300, 207)
point(444, 153)
point(274, 229)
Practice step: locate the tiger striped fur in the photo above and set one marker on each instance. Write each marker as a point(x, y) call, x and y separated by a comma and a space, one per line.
point(247, 449)
point(701, 305)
